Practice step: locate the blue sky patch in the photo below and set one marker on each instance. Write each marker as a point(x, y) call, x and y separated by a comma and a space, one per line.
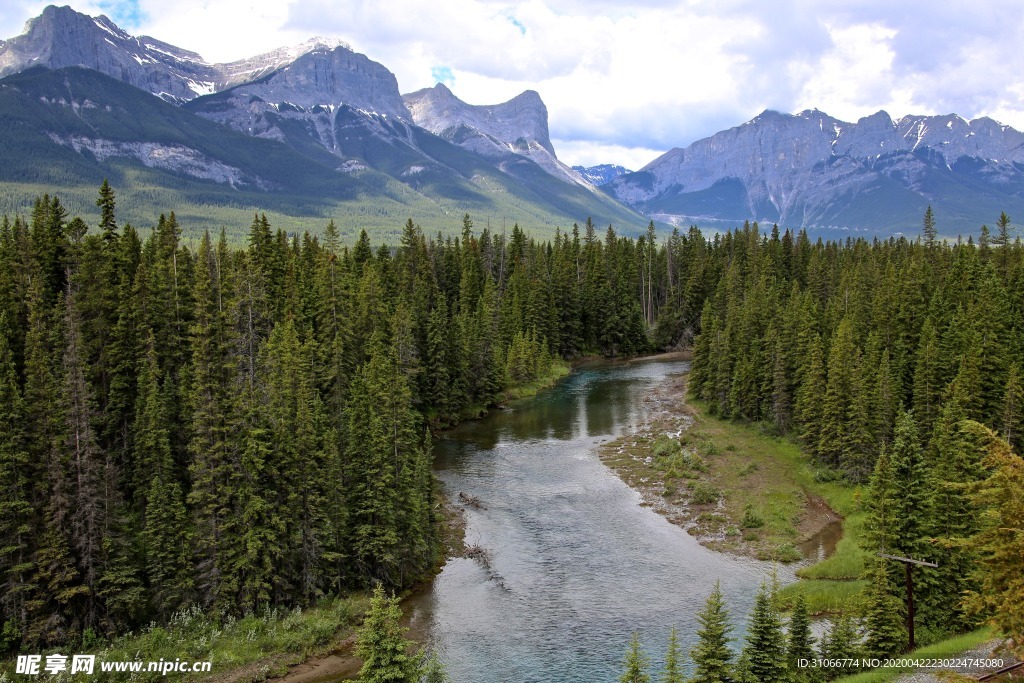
point(125, 13)
point(442, 74)
point(518, 24)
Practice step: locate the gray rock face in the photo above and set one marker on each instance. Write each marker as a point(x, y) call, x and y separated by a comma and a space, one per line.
point(307, 94)
point(814, 170)
point(61, 37)
point(602, 174)
point(519, 127)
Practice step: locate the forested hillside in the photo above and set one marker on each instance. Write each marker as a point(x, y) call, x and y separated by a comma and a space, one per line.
point(897, 365)
point(249, 428)
point(242, 429)
point(832, 339)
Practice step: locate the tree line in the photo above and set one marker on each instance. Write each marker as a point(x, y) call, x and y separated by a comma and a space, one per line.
point(772, 652)
point(897, 364)
point(243, 428)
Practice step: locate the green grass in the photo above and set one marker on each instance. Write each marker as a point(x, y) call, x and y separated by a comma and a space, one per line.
point(847, 562)
point(559, 369)
point(255, 646)
point(945, 648)
point(785, 478)
point(823, 596)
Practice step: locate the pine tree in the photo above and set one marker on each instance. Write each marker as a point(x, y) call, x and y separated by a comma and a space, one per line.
point(711, 655)
point(165, 535)
point(1000, 544)
point(17, 517)
point(927, 379)
point(930, 232)
point(212, 420)
point(766, 645)
point(1013, 409)
point(433, 670)
point(672, 671)
point(387, 510)
point(636, 663)
point(884, 612)
point(382, 645)
point(840, 642)
point(956, 461)
point(800, 645)
point(108, 222)
point(809, 394)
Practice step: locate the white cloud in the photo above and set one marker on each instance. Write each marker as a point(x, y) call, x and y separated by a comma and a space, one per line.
point(627, 79)
point(582, 153)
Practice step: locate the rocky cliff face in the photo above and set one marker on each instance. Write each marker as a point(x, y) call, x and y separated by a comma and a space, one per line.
point(811, 169)
point(302, 100)
point(518, 127)
point(602, 174)
point(61, 37)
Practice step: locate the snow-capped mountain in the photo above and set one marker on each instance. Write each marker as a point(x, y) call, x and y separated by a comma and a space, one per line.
point(61, 37)
point(602, 174)
point(810, 169)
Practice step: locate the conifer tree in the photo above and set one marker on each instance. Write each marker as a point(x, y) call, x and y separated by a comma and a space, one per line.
point(766, 645)
point(927, 379)
point(382, 645)
point(386, 514)
point(1013, 409)
point(884, 612)
point(800, 645)
point(108, 221)
point(1000, 596)
point(930, 232)
point(711, 655)
point(840, 642)
point(672, 671)
point(635, 665)
point(809, 394)
point(17, 517)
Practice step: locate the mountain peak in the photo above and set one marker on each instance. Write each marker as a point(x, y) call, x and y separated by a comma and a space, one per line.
point(813, 170)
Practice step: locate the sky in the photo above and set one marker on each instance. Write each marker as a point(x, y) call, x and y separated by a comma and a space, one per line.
point(625, 82)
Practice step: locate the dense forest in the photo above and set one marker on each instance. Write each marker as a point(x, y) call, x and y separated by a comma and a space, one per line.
point(244, 428)
point(248, 426)
point(897, 364)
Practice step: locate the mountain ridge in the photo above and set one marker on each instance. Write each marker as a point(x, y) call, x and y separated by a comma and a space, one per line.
point(813, 170)
point(337, 108)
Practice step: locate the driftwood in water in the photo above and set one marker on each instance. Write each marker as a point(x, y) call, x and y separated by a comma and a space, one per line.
point(471, 501)
point(481, 555)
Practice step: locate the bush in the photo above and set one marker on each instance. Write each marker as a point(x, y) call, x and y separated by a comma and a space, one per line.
point(751, 519)
point(703, 493)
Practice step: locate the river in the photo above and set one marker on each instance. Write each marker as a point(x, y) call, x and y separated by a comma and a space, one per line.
point(573, 563)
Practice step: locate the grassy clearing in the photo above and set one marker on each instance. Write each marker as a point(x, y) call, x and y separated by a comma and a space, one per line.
point(241, 650)
point(559, 369)
point(743, 490)
point(786, 479)
point(945, 648)
point(823, 596)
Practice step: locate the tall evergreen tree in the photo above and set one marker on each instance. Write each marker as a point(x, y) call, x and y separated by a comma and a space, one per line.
point(800, 644)
point(672, 671)
point(765, 650)
point(635, 665)
point(1001, 541)
point(382, 645)
point(711, 655)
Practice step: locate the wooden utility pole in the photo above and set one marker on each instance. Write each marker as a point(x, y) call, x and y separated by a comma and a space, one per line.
point(909, 564)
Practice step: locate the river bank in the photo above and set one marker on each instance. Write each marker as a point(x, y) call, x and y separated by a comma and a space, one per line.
point(743, 492)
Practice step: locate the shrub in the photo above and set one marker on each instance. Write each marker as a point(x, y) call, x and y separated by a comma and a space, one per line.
point(703, 493)
point(751, 519)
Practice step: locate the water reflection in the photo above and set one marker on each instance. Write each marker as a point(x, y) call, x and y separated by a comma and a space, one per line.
point(575, 564)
